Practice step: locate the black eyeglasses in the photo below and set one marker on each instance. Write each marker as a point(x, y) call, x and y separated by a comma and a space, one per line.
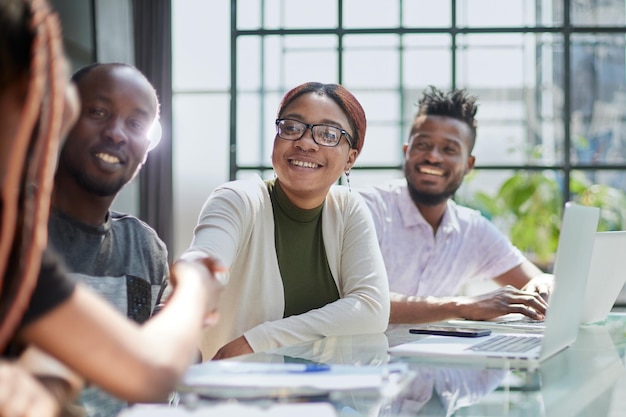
point(324, 135)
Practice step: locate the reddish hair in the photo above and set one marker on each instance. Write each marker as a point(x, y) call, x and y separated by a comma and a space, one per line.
point(340, 95)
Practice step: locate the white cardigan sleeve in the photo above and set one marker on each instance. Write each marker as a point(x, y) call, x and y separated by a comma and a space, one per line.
point(219, 227)
point(356, 264)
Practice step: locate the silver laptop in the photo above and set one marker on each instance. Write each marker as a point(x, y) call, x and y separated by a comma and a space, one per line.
point(571, 269)
point(607, 276)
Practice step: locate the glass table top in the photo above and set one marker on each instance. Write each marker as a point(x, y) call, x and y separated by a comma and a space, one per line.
point(586, 379)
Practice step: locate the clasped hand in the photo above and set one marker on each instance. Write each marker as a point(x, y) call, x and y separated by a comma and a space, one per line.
point(208, 269)
point(237, 347)
point(21, 395)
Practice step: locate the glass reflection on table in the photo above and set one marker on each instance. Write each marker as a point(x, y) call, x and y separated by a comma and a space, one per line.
point(585, 379)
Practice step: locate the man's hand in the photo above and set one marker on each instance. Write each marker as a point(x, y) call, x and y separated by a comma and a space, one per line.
point(239, 346)
point(501, 301)
point(21, 395)
point(541, 284)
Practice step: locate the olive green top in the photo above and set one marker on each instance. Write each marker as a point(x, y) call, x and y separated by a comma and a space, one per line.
point(307, 281)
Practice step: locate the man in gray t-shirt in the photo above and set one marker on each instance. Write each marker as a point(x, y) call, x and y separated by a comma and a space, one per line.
point(117, 255)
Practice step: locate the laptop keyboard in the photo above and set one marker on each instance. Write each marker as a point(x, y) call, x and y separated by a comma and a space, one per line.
point(507, 343)
point(524, 321)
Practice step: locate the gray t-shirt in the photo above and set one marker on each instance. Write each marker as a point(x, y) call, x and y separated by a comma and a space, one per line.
point(124, 261)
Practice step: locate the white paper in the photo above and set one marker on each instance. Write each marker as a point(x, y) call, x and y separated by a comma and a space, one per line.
point(233, 410)
point(277, 375)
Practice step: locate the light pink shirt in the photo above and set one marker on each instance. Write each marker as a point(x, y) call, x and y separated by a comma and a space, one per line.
point(466, 247)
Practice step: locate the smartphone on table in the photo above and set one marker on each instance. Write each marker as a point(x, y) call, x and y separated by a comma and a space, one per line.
point(450, 331)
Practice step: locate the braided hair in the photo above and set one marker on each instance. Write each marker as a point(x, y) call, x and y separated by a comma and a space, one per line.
point(28, 180)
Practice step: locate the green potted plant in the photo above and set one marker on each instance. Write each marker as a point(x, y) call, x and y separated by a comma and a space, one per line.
point(529, 204)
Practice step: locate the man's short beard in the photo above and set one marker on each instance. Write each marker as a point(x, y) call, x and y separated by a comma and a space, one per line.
point(99, 188)
point(429, 199)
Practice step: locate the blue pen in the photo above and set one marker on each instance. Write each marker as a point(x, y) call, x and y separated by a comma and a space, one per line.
point(295, 368)
point(313, 367)
point(276, 368)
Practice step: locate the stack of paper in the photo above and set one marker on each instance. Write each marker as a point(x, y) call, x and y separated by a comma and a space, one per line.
point(233, 410)
point(276, 375)
point(308, 382)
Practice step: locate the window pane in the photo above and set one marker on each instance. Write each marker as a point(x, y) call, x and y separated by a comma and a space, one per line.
point(281, 63)
point(383, 136)
point(598, 100)
point(371, 61)
point(250, 143)
point(426, 13)
point(597, 13)
point(514, 54)
point(518, 99)
point(604, 189)
point(293, 60)
point(549, 12)
point(370, 13)
point(200, 45)
point(369, 177)
point(500, 142)
point(426, 60)
point(380, 106)
point(509, 13)
point(280, 14)
point(301, 14)
point(471, 13)
point(249, 173)
point(248, 14)
point(255, 127)
point(249, 67)
point(199, 158)
point(382, 146)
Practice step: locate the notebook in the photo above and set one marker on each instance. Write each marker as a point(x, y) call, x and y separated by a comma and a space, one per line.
point(571, 269)
point(607, 276)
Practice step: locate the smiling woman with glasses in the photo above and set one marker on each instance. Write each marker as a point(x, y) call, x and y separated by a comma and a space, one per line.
point(301, 252)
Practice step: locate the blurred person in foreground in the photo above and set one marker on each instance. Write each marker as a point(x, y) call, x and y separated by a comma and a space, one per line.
point(44, 314)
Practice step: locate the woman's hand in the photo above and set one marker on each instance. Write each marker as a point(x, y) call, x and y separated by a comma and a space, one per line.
point(208, 269)
point(237, 347)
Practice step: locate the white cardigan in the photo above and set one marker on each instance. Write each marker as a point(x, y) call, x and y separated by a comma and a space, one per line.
point(236, 225)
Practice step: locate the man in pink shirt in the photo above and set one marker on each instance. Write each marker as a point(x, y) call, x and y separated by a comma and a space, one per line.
point(431, 245)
